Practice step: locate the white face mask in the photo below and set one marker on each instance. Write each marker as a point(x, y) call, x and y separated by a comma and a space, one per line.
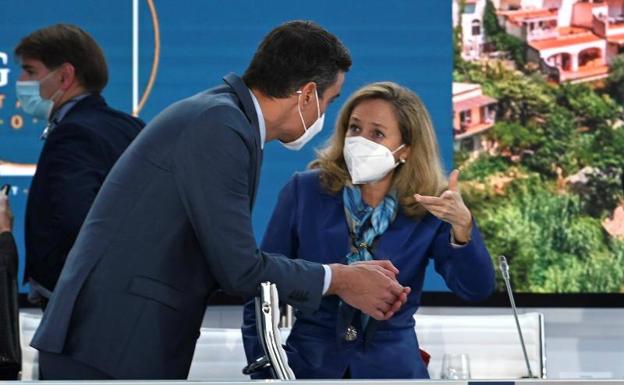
point(368, 161)
point(308, 133)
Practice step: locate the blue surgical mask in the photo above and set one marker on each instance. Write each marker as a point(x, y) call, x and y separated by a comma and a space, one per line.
point(29, 95)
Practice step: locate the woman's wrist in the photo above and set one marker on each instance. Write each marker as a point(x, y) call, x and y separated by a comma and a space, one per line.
point(462, 232)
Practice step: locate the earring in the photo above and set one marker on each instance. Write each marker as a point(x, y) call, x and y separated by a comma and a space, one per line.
point(402, 160)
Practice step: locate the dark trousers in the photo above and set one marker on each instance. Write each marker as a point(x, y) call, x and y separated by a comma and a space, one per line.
point(61, 367)
point(9, 372)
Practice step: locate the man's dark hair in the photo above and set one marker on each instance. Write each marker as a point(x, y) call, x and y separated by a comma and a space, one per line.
point(293, 54)
point(63, 43)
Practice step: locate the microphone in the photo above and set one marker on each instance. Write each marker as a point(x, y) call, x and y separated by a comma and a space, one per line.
point(504, 268)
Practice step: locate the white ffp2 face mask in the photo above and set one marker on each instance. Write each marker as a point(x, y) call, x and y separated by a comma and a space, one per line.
point(368, 161)
point(310, 132)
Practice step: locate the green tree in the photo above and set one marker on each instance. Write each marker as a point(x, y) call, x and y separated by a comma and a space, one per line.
point(501, 40)
point(522, 99)
point(591, 109)
point(606, 147)
point(552, 244)
point(484, 166)
point(555, 144)
point(615, 82)
point(515, 46)
point(515, 137)
point(490, 20)
point(602, 192)
point(458, 37)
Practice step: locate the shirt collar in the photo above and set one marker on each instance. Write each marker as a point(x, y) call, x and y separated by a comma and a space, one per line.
point(261, 123)
point(56, 118)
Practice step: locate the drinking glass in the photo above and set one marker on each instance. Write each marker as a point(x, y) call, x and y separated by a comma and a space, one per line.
point(455, 367)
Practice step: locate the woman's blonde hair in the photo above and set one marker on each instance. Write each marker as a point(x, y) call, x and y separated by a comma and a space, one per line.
point(422, 171)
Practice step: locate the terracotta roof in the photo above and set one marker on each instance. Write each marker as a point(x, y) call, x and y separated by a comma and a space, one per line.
point(477, 101)
point(460, 88)
point(519, 16)
point(473, 130)
point(564, 41)
point(564, 31)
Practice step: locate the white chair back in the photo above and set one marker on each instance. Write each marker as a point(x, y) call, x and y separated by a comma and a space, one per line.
point(491, 342)
point(28, 324)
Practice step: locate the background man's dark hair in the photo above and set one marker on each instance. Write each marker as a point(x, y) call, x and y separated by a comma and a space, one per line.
point(293, 54)
point(63, 43)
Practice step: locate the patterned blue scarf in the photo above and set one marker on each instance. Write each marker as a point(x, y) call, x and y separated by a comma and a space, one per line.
point(365, 224)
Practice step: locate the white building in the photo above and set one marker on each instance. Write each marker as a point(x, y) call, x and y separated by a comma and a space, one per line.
point(471, 21)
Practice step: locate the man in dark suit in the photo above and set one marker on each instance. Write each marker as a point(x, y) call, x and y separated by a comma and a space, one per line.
point(64, 71)
point(10, 354)
point(172, 223)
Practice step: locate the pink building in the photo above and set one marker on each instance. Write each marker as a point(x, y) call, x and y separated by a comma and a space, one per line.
point(576, 55)
point(571, 40)
point(473, 114)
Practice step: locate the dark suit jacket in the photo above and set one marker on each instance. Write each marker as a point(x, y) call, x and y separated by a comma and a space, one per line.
point(170, 226)
point(309, 223)
point(76, 157)
point(10, 354)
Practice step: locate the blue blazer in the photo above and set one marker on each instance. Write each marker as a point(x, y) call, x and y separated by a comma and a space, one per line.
point(309, 223)
point(76, 157)
point(170, 226)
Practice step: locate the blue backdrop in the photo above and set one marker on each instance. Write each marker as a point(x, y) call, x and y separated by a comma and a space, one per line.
point(200, 41)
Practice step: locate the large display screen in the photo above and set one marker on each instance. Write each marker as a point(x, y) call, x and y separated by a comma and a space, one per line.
point(539, 135)
point(186, 47)
point(526, 98)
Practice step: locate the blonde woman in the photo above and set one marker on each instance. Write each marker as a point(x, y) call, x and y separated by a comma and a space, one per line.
point(377, 191)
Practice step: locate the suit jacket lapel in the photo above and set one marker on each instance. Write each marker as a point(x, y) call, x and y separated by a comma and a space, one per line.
point(242, 91)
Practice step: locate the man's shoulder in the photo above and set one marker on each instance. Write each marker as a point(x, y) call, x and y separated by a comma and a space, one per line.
point(220, 103)
point(214, 112)
point(97, 119)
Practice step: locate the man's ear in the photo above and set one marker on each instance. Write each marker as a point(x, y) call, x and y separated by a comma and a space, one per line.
point(307, 92)
point(68, 75)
